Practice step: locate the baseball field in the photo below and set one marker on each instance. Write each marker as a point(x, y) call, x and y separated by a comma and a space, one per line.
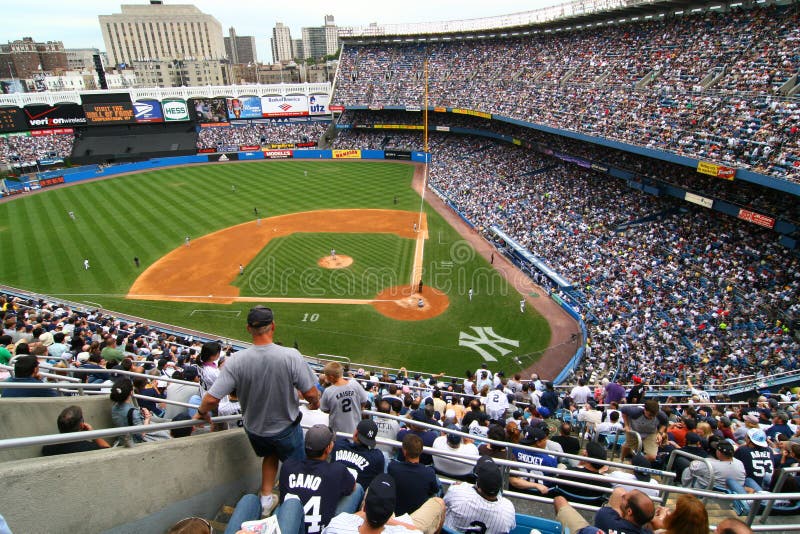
point(337, 249)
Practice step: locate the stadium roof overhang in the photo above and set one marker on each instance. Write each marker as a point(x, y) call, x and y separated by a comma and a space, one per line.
point(630, 12)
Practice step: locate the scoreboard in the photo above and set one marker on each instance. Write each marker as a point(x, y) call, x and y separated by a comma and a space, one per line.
point(12, 119)
point(109, 113)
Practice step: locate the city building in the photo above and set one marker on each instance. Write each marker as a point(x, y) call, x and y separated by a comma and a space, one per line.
point(320, 41)
point(82, 59)
point(25, 57)
point(281, 44)
point(240, 48)
point(182, 72)
point(161, 32)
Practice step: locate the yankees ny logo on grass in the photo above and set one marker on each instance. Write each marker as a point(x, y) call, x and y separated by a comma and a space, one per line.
point(484, 335)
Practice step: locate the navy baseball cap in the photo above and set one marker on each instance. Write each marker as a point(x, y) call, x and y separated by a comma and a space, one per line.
point(367, 430)
point(259, 316)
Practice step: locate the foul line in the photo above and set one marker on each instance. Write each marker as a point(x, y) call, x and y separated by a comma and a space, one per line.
point(236, 312)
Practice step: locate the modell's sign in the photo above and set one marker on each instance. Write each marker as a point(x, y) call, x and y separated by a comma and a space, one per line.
point(277, 154)
point(58, 116)
point(175, 110)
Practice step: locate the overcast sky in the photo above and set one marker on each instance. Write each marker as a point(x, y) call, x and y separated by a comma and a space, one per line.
point(75, 21)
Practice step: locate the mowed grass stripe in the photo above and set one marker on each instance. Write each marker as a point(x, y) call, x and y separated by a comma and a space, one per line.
point(50, 217)
point(33, 257)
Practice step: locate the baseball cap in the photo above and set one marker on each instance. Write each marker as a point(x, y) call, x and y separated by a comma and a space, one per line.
point(532, 435)
point(367, 430)
point(318, 437)
point(757, 436)
point(543, 411)
point(636, 379)
point(693, 437)
point(724, 446)
point(750, 418)
point(259, 316)
point(640, 460)
point(83, 357)
point(190, 373)
point(453, 439)
point(381, 498)
point(490, 480)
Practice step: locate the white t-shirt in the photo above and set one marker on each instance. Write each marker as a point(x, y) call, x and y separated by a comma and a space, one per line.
point(450, 466)
point(349, 524)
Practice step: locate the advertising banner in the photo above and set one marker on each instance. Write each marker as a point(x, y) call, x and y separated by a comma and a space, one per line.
point(223, 157)
point(284, 106)
point(175, 110)
point(337, 109)
point(346, 154)
point(281, 146)
point(145, 111)
point(318, 104)
point(712, 169)
point(55, 180)
point(700, 201)
point(395, 126)
point(480, 114)
point(54, 131)
point(58, 116)
point(309, 144)
point(756, 218)
point(244, 107)
point(12, 119)
point(209, 110)
point(247, 148)
point(397, 154)
point(106, 113)
point(206, 150)
point(278, 154)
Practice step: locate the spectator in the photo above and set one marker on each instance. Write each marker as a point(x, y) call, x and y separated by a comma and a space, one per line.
point(325, 488)
point(181, 392)
point(627, 512)
point(342, 399)
point(124, 413)
point(71, 420)
point(416, 482)
point(451, 467)
point(619, 477)
point(480, 505)
point(266, 378)
point(688, 517)
point(725, 467)
point(359, 454)
point(26, 371)
point(648, 422)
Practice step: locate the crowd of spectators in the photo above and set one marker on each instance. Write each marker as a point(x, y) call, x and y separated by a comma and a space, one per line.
point(27, 151)
point(261, 134)
point(668, 290)
point(706, 85)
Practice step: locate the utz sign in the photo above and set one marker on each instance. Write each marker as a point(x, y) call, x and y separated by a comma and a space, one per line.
point(175, 110)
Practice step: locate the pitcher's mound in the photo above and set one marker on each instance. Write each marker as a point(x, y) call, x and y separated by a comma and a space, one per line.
point(339, 262)
point(402, 303)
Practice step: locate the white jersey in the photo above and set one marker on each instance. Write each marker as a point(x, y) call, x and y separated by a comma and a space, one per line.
point(467, 510)
point(496, 404)
point(345, 523)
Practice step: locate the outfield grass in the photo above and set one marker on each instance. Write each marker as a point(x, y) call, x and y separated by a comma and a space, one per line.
point(147, 215)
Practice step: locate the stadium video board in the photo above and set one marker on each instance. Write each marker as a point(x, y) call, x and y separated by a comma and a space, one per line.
point(12, 119)
point(147, 111)
point(59, 116)
point(209, 110)
point(108, 108)
point(175, 110)
point(244, 107)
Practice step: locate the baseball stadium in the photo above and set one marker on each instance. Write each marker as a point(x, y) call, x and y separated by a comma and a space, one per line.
point(542, 237)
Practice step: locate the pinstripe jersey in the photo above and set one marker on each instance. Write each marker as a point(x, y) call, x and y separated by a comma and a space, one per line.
point(469, 512)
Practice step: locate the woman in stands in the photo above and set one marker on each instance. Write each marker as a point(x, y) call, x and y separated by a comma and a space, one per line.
point(124, 413)
point(688, 517)
point(209, 367)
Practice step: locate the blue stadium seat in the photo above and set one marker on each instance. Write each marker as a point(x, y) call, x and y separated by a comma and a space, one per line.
point(526, 523)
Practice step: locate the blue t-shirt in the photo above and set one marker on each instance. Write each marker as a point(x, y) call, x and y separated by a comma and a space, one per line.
point(536, 459)
point(607, 519)
point(416, 483)
point(9, 393)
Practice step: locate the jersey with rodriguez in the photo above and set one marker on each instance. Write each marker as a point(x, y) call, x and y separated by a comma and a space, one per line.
point(319, 485)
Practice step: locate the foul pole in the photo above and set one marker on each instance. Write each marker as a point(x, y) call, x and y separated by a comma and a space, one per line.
point(416, 271)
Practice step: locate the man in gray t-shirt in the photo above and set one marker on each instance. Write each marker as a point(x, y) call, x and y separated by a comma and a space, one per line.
point(342, 399)
point(266, 378)
point(724, 466)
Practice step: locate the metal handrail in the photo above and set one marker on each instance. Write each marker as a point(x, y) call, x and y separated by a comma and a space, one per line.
point(677, 452)
point(785, 472)
point(69, 437)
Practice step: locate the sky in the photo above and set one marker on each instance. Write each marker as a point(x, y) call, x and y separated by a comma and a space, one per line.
point(75, 23)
